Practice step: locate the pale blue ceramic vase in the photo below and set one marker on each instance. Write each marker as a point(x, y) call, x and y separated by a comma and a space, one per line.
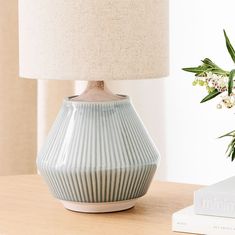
point(98, 156)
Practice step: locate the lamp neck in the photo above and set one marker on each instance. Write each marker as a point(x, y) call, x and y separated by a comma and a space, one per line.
point(97, 91)
point(95, 84)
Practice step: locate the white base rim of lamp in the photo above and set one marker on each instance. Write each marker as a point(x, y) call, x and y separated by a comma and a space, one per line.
point(101, 207)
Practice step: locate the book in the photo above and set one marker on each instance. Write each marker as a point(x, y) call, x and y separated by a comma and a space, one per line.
point(187, 221)
point(217, 199)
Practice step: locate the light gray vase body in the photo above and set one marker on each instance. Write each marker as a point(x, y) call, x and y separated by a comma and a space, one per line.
point(98, 153)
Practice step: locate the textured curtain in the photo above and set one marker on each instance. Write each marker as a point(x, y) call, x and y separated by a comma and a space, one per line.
point(17, 101)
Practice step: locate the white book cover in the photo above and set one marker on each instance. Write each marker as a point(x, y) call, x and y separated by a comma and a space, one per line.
point(217, 199)
point(187, 221)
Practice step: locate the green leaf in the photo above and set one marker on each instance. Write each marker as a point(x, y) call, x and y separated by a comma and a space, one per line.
point(206, 67)
point(230, 81)
point(233, 156)
point(211, 95)
point(229, 47)
point(214, 68)
point(197, 70)
point(220, 72)
point(230, 146)
point(231, 133)
point(229, 150)
point(209, 63)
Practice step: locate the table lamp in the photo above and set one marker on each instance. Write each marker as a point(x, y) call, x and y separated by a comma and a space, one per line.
point(98, 157)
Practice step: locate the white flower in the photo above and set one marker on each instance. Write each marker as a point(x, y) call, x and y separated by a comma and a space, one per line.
point(216, 81)
point(227, 101)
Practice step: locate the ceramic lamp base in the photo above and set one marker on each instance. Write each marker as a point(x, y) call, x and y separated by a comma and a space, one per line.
point(98, 152)
point(99, 207)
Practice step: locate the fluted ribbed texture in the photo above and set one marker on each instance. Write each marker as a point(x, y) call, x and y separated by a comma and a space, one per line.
point(98, 152)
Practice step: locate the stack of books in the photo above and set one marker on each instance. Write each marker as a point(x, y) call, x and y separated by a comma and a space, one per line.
point(213, 211)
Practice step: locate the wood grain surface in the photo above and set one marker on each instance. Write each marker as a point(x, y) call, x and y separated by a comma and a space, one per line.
point(27, 208)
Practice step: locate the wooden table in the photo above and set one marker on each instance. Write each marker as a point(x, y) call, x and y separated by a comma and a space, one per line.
point(27, 208)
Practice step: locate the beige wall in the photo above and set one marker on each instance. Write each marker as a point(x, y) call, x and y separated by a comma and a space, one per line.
point(17, 101)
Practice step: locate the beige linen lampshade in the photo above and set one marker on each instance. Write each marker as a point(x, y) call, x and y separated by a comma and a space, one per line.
point(93, 39)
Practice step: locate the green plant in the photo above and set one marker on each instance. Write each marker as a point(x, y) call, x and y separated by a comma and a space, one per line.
point(218, 82)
